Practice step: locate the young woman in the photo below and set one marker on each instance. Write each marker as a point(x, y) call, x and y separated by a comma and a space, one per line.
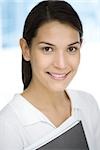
point(47, 115)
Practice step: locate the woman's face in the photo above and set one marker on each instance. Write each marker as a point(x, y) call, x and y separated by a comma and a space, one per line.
point(54, 56)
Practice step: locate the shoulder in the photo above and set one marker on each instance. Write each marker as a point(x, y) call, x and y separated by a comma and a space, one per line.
point(6, 113)
point(88, 107)
point(7, 110)
point(10, 131)
point(10, 128)
point(8, 117)
point(83, 99)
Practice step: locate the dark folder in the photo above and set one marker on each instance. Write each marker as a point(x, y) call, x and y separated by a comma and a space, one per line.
point(73, 139)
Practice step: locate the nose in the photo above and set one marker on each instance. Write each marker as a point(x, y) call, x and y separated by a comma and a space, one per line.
point(60, 60)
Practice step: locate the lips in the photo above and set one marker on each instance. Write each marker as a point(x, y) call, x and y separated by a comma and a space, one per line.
point(58, 76)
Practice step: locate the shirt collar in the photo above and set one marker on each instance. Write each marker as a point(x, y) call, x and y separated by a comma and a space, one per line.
point(74, 98)
point(25, 110)
point(78, 98)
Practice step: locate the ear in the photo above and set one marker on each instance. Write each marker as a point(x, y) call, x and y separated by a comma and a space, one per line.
point(25, 49)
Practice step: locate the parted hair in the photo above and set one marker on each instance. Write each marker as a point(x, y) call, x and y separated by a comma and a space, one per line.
point(43, 12)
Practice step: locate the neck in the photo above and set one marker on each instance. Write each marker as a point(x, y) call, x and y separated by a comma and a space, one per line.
point(43, 97)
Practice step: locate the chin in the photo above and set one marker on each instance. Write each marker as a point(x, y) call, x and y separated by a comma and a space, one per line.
point(60, 87)
point(57, 88)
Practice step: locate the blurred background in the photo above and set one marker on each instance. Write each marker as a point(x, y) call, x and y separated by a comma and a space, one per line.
point(12, 17)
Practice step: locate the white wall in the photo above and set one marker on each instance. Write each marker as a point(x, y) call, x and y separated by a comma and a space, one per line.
point(10, 74)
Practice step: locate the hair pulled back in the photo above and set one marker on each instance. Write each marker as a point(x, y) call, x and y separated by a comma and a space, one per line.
point(46, 11)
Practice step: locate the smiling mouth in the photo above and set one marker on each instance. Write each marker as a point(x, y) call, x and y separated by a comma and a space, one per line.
point(58, 76)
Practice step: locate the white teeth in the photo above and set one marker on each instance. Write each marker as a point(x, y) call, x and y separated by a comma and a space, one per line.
point(58, 76)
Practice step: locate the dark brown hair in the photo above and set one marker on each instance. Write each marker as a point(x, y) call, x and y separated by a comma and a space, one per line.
point(44, 12)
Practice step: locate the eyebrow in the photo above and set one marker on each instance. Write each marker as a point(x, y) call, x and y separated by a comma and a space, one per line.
point(46, 43)
point(77, 42)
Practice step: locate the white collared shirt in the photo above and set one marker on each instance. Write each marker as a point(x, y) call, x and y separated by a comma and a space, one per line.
point(24, 127)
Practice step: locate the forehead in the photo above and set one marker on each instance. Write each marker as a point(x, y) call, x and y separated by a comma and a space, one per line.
point(55, 31)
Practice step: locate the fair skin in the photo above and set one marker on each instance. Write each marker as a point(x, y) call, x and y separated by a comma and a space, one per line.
point(54, 57)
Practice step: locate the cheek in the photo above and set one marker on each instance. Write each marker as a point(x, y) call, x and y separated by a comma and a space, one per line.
point(36, 64)
point(75, 61)
point(40, 62)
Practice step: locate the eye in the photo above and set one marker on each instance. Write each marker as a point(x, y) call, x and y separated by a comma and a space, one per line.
point(47, 49)
point(72, 50)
